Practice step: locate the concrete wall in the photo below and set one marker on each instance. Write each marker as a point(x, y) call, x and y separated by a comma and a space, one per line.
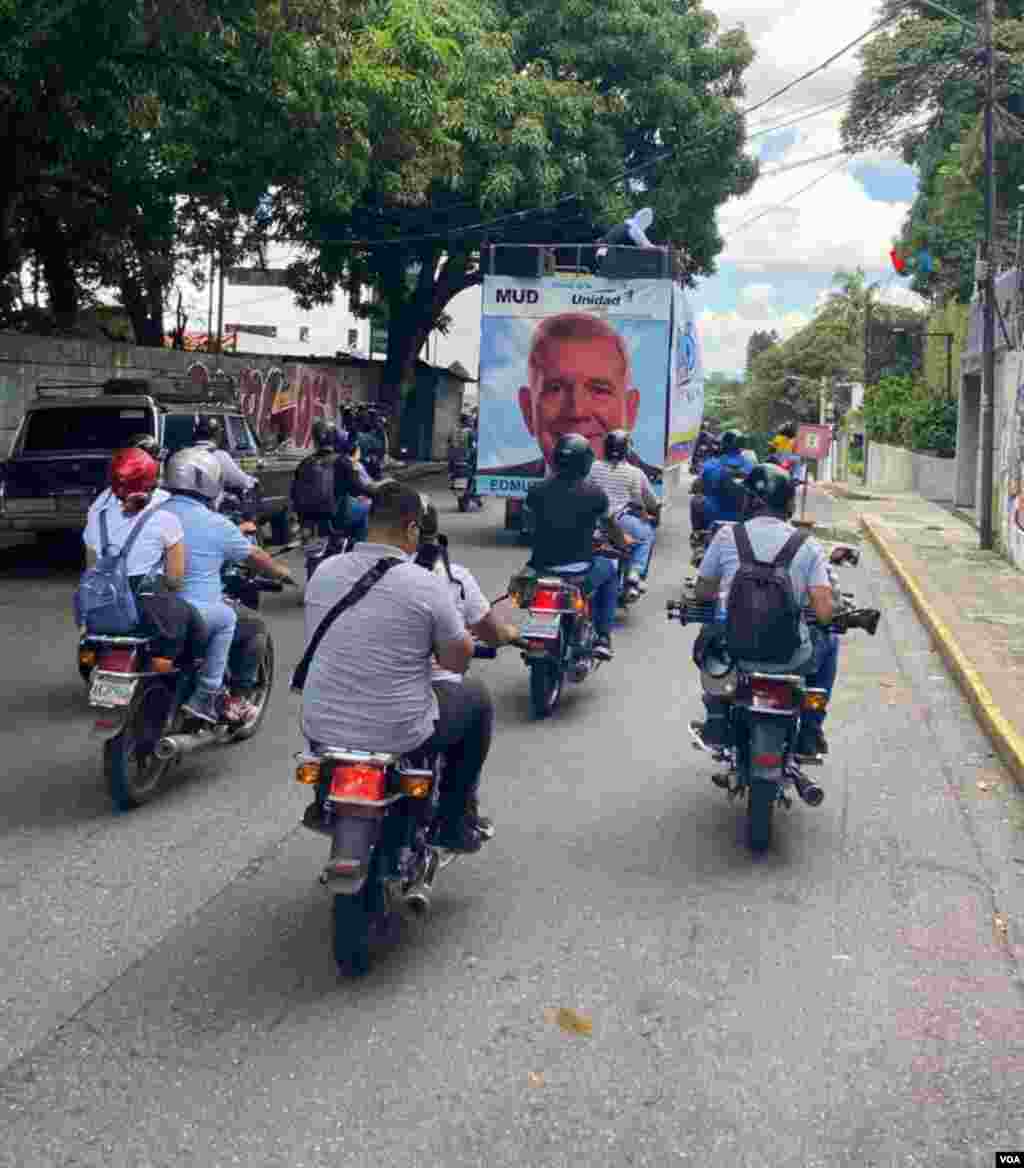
point(891, 468)
point(281, 395)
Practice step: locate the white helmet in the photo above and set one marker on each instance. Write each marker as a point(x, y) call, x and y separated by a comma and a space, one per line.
point(194, 469)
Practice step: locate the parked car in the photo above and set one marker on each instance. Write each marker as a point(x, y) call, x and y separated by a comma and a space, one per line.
point(58, 460)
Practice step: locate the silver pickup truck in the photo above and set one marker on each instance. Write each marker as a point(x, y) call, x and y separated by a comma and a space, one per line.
point(61, 450)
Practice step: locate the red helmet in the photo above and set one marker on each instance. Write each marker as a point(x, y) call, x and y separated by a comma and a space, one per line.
point(133, 474)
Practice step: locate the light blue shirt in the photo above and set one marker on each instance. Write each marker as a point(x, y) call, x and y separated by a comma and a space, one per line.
point(768, 536)
point(211, 541)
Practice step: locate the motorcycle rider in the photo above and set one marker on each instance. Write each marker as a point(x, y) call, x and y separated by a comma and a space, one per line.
point(208, 434)
point(723, 498)
point(628, 490)
point(771, 495)
point(567, 508)
point(369, 683)
point(313, 483)
point(479, 619)
point(158, 495)
point(196, 480)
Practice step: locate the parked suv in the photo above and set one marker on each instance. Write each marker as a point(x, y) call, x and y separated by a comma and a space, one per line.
point(59, 457)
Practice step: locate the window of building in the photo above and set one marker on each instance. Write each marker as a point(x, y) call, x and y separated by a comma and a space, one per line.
point(353, 338)
point(303, 332)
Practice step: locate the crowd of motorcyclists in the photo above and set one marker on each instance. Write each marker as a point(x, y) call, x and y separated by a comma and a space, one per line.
point(391, 675)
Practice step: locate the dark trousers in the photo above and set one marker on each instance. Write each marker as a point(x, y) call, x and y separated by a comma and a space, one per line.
point(247, 650)
point(462, 733)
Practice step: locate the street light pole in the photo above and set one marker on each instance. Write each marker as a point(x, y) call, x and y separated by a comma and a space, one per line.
point(988, 284)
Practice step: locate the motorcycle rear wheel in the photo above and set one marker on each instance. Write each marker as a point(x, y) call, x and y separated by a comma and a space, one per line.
point(352, 919)
point(760, 808)
point(545, 687)
point(261, 698)
point(134, 773)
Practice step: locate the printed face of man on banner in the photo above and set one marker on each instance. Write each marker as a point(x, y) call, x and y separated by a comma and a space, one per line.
point(580, 382)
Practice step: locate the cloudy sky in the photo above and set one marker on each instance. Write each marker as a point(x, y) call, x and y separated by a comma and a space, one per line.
point(773, 271)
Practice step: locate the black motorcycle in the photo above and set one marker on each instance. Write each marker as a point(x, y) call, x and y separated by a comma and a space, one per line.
point(763, 712)
point(138, 694)
point(380, 812)
point(558, 638)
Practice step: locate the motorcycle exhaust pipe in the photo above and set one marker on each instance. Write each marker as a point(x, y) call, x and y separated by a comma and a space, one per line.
point(810, 792)
point(176, 745)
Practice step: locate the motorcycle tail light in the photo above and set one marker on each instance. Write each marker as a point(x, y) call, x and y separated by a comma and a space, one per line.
point(816, 700)
point(358, 781)
point(308, 773)
point(768, 694)
point(548, 598)
point(161, 664)
point(87, 658)
point(416, 784)
point(767, 760)
point(118, 660)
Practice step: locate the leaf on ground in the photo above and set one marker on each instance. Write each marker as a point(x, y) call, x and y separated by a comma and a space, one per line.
point(987, 785)
point(1000, 926)
point(535, 1078)
point(569, 1020)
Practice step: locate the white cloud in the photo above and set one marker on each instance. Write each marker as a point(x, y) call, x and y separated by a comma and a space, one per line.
point(724, 335)
point(756, 301)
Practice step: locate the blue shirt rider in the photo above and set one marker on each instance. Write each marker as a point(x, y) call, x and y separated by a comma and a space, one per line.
point(722, 501)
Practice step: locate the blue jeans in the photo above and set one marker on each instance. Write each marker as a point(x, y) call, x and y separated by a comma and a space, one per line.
point(604, 579)
point(358, 522)
point(643, 533)
point(220, 620)
point(821, 670)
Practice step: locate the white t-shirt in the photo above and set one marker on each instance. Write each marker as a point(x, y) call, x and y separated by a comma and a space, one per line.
point(621, 482)
point(162, 531)
point(472, 609)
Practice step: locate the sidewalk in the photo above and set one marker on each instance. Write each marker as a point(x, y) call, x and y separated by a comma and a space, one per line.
point(972, 603)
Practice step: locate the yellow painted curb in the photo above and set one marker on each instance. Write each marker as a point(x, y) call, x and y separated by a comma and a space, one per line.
point(1008, 743)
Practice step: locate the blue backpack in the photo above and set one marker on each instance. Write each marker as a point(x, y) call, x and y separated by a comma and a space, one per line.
point(104, 600)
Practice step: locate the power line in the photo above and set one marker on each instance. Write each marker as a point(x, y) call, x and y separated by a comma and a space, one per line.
point(778, 206)
point(950, 13)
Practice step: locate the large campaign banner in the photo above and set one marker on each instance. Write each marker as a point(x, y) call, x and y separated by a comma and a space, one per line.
point(686, 402)
point(570, 354)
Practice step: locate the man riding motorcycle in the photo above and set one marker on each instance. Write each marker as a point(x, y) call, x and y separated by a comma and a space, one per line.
point(628, 490)
point(723, 498)
point(369, 684)
point(567, 509)
point(208, 434)
point(771, 495)
point(328, 486)
point(479, 619)
point(195, 479)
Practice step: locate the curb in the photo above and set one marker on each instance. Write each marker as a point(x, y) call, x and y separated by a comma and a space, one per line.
point(1008, 743)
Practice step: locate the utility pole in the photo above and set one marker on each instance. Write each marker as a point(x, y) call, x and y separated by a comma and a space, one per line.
point(209, 317)
point(220, 308)
point(986, 278)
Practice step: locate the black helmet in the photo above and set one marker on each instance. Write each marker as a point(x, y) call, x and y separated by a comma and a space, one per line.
point(573, 457)
point(788, 430)
point(207, 429)
point(323, 434)
point(616, 445)
point(729, 442)
point(770, 487)
point(145, 442)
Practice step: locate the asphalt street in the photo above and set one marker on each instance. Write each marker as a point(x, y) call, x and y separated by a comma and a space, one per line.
point(855, 997)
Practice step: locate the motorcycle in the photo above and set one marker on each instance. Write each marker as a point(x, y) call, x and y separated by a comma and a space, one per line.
point(318, 548)
point(709, 448)
point(462, 480)
point(627, 594)
point(700, 540)
point(137, 693)
point(763, 713)
point(558, 638)
point(380, 812)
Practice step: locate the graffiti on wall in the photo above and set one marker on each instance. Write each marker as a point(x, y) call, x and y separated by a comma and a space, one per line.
point(1011, 474)
point(282, 403)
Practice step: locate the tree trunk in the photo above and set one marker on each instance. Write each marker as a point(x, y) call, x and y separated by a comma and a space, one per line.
point(60, 277)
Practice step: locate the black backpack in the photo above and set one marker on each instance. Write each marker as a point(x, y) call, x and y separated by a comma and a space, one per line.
point(313, 488)
point(762, 617)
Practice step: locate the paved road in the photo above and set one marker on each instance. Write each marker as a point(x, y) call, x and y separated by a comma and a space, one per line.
point(168, 996)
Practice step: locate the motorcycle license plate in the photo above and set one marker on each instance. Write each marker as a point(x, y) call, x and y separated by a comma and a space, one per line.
point(111, 690)
point(460, 484)
point(542, 625)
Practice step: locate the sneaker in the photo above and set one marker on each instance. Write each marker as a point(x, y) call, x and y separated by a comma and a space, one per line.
point(239, 710)
point(603, 648)
point(810, 742)
point(459, 836)
point(711, 732)
point(642, 585)
point(482, 823)
point(203, 705)
point(632, 593)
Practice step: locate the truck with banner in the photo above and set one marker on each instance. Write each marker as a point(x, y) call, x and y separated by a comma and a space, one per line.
point(583, 339)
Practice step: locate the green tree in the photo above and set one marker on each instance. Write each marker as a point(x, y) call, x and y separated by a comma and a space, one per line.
point(722, 400)
point(513, 109)
point(760, 341)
